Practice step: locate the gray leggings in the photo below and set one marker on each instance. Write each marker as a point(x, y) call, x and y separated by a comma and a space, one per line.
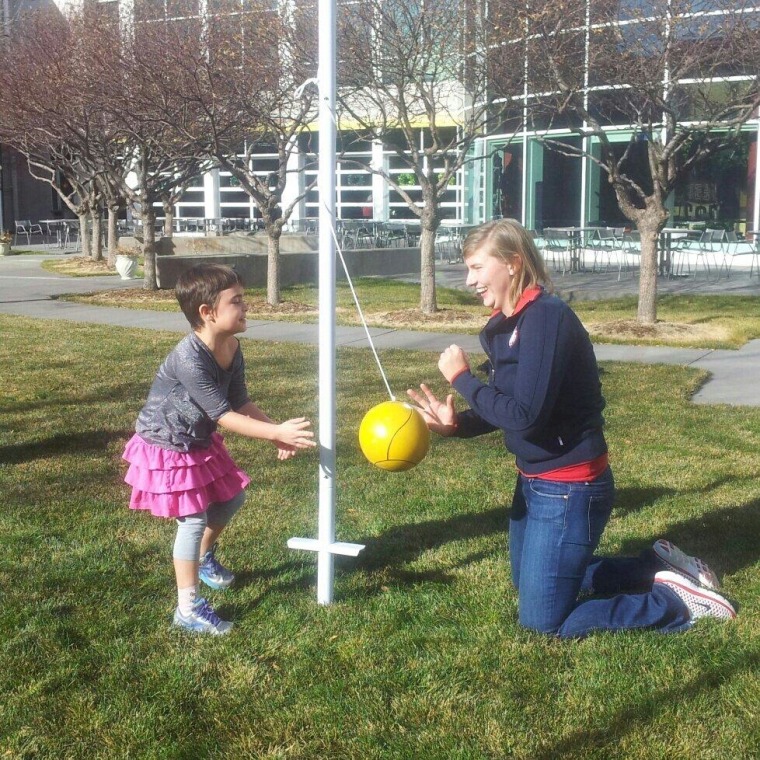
point(190, 529)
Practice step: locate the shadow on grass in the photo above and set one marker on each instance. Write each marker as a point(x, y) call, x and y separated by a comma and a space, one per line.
point(726, 539)
point(94, 441)
point(642, 713)
point(722, 537)
point(125, 391)
point(405, 543)
point(629, 500)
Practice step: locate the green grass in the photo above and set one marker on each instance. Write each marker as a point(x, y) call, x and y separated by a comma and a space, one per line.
point(730, 320)
point(703, 321)
point(421, 655)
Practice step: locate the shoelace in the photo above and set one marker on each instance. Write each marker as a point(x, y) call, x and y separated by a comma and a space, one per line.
point(219, 568)
point(206, 612)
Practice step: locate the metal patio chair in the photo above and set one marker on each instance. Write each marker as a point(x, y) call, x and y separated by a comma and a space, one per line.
point(25, 227)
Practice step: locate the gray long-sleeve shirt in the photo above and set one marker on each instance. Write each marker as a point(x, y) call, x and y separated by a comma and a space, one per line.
point(189, 395)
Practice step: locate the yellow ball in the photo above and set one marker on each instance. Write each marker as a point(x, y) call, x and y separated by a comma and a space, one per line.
point(393, 436)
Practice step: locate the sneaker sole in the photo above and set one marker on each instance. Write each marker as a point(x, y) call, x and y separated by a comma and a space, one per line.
point(710, 603)
point(178, 623)
point(201, 631)
point(693, 568)
point(215, 584)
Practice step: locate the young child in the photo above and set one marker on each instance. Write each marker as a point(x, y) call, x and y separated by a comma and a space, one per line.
point(179, 466)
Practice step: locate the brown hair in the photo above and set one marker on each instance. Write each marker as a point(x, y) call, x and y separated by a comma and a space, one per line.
point(507, 239)
point(201, 284)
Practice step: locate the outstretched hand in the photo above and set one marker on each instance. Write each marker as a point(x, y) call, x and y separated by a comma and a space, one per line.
point(292, 435)
point(440, 416)
point(285, 452)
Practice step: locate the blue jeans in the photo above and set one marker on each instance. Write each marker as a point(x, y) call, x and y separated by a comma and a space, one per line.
point(554, 529)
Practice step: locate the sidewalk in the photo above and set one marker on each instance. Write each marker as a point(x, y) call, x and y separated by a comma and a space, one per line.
point(28, 290)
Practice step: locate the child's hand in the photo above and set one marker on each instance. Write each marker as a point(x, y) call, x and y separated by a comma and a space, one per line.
point(285, 452)
point(293, 434)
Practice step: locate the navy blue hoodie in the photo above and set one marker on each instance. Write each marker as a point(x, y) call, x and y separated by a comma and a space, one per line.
point(543, 388)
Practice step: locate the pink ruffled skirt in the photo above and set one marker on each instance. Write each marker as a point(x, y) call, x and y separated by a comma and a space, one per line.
point(176, 483)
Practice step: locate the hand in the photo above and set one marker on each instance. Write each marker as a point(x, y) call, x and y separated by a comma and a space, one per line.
point(293, 434)
point(440, 416)
point(452, 362)
point(285, 452)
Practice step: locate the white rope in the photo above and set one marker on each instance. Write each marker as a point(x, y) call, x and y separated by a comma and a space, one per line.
point(359, 309)
point(338, 250)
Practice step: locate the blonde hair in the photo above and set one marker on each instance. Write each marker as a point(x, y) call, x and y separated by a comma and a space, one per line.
point(507, 239)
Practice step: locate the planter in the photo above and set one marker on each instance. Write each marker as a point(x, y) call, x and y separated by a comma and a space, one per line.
point(126, 266)
point(5, 249)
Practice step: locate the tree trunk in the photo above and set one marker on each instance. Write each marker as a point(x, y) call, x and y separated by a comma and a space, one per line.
point(113, 234)
point(429, 229)
point(647, 311)
point(274, 232)
point(97, 236)
point(168, 220)
point(649, 221)
point(84, 234)
point(149, 246)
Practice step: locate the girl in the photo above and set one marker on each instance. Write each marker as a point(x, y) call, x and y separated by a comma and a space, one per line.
point(179, 466)
point(544, 394)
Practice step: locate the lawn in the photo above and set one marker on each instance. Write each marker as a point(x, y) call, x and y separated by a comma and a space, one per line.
point(714, 321)
point(420, 656)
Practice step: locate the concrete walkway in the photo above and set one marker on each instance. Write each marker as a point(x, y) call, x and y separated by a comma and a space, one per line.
point(28, 290)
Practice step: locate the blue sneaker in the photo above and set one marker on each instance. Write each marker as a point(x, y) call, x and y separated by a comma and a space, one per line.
point(202, 619)
point(212, 572)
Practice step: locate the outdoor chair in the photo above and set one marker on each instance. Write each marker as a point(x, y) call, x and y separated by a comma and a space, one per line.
point(25, 227)
point(735, 246)
point(70, 235)
point(631, 249)
point(391, 235)
point(447, 244)
point(605, 242)
point(699, 251)
point(557, 249)
point(357, 235)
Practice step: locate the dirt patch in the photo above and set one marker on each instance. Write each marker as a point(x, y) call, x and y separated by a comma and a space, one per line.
point(672, 332)
point(262, 308)
point(130, 297)
point(81, 266)
point(444, 319)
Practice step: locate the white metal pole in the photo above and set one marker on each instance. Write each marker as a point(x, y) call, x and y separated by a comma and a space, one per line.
point(756, 204)
point(325, 544)
point(326, 185)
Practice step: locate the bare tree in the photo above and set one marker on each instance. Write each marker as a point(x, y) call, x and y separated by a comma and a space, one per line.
point(412, 75)
point(50, 117)
point(681, 76)
point(153, 163)
point(241, 82)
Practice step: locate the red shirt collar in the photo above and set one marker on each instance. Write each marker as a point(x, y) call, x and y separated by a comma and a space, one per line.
point(528, 296)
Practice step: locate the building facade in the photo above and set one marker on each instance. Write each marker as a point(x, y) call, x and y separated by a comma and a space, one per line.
point(507, 174)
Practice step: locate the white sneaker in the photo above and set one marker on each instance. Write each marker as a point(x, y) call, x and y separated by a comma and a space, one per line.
point(202, 619)
point(693, 568)
point(701, 602)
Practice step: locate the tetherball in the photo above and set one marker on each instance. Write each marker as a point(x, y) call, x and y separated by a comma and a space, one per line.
point(393, 436)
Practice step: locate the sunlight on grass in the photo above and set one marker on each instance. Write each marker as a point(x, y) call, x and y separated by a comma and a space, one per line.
point(709, 321)
point(421, 655)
